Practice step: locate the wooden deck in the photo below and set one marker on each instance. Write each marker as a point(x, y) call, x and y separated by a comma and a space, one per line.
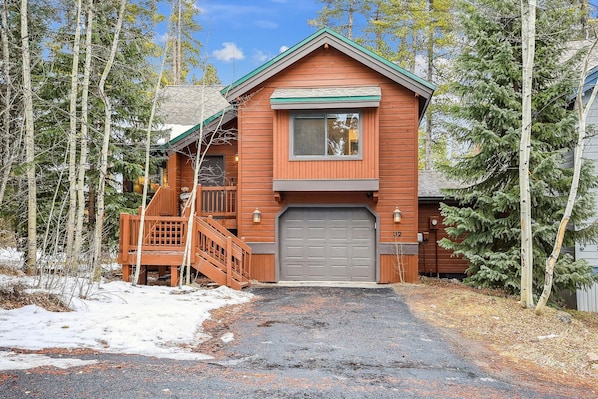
point(215, 251)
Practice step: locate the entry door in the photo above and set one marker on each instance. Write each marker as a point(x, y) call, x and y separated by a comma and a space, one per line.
point(327, 244)
point(212, 172)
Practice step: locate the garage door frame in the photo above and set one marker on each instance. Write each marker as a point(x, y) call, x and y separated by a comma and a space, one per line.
point(278, 241)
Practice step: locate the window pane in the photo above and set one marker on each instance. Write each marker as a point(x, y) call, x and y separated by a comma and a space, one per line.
point(343, 134)
point(309, 135)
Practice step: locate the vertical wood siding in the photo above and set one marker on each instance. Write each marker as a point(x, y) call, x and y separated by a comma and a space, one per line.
point(432, 257)
point(587, 300)
point(389, 272)
point(263, 268)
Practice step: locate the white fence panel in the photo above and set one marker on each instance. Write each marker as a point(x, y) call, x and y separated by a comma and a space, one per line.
point(587, 300)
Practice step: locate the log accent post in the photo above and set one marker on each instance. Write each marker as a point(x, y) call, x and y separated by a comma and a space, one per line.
point(174, 275)
point(126, 270)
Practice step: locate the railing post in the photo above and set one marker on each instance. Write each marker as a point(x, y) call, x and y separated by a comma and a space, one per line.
point(194, 238)
point(246, 261)
point(198, 200)
point(125, 236)
point(229, 261)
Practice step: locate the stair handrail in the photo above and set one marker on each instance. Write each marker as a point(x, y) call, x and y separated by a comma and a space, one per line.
point(234, 250)
point(162, 203)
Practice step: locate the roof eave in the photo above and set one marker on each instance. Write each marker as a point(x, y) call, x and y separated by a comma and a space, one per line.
point(210, 124)
point(320, 38)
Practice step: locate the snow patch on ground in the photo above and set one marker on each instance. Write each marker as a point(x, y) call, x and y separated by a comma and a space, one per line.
point(115, 317)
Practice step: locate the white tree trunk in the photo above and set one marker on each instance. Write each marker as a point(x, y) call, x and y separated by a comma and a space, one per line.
point(78, 240)
point(188, 253)
point(582, 114)
point(72, 141)
point(103, 167)
point(148, 139)
point(29, 143)
point(6, 154)
point(528, 38)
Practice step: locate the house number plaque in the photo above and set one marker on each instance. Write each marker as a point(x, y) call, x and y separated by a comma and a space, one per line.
point(396, 234)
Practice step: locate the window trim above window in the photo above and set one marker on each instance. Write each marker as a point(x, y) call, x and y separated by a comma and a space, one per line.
point(325, 156)
point(326, 97)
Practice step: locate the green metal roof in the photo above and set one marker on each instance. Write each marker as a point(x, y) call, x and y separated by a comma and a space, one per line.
point(338, 36)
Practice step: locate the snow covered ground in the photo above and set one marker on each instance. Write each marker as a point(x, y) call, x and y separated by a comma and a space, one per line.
point(115, 317)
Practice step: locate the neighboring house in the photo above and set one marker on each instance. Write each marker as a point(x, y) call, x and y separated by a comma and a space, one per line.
point(433, 259)
point(587, 300)
point(321, 185)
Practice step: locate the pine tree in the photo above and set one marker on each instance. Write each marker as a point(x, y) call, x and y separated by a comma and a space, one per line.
point(487, 118)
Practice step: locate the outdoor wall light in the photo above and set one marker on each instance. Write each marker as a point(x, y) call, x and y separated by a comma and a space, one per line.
point(257, 216)
point(237, 157)
point(396, 215)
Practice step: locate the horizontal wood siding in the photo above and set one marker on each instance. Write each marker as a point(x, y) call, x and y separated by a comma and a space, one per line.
point(255, 168)
point(365, 168)
point(398, 163)
point(390, 272)
point(391, 148)
point(263, 268)
point(432, 257)
point(184, 165)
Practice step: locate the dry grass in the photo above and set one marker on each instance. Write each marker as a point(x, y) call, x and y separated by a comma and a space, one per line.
point(14, 296)
point(557, 346)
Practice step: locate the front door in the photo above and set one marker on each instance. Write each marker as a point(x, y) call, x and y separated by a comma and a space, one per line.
point(212, 172)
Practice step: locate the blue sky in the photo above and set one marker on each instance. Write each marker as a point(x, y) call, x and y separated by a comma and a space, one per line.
point(240, 35)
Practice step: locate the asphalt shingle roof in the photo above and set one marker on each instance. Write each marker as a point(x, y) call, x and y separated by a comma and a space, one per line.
point(431, 182)
point(182, 105)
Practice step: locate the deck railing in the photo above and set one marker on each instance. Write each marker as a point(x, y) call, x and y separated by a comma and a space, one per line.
point(159, 233)
point(219, 202)
point(232, 253)
point(211, 242)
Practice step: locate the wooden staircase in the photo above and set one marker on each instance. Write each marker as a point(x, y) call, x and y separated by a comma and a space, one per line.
point(215, 251)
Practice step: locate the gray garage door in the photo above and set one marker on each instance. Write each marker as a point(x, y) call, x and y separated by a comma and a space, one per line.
point(327, 244)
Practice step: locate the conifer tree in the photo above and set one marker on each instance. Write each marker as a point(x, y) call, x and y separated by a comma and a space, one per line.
point(487, 118)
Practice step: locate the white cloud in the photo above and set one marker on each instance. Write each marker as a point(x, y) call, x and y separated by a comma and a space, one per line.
point(228, 53)
point(283, 48)
point(260, 57)
point(266, 24)
point(161, 38)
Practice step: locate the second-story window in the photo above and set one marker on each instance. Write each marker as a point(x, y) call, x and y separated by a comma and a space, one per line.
point(325, 134)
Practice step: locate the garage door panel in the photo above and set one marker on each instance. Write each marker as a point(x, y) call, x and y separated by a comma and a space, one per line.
point(361, 233)
point(360, 252)
point(316, 271)
point(294, 233)
point(335, 244)
point(294, 252)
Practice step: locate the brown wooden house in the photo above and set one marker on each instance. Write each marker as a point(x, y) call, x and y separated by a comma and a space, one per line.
point(433, 259)
point(321, 185)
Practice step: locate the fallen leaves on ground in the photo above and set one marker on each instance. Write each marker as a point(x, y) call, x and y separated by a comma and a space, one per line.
point(556, 347)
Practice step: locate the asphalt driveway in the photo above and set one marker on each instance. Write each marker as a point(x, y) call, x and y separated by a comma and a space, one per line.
point(300, 342)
